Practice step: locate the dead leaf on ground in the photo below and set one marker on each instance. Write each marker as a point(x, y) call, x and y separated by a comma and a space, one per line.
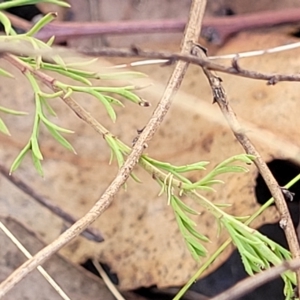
point(143, 245)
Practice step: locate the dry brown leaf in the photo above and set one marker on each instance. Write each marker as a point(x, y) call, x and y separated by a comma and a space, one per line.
point(143, 245)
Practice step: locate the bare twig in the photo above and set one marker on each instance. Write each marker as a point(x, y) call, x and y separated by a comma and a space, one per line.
point(191, 35)
point(235, 69)
point(216, 29)
point(249, 284)
point(220, 97)
point(253, 53)
point(89, 233)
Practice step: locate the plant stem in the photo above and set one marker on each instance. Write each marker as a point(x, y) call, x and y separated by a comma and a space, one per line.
point(215, 255)
point(220, 97)
point(191, 35)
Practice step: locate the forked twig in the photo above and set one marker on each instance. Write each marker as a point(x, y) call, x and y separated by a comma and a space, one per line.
point(220, 97)
point(191, 35)
point(170, 57)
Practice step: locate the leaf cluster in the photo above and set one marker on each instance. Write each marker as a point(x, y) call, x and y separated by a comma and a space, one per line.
point(107, 95)
point(257, 251)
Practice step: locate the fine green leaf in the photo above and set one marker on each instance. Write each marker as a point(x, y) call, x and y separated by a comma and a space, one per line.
point(212, 182)
point(35, 148)
point(114, 101)
point(183, 217)
point(5, 73)
point(122, 92)
point(199, 249)
point(12, 112)
point(41, 23)
point(206, 188)
point(193, 252)
point(6, 24)
point(50, 96)
point(3, 128)
point(68, 93)
point(195, 233)
point(247, 158)
point(60, 138)
point(185, 207)
point(230, 169)
point(37, 164)
point(72, 75)
point(115, 149)
point(191, 167)
point(54, 126)
point(46, 105)
point(51, 41)
point(120, 75)
point(83, 63)
point(111, 112)
point(19, 158)
point(59, 61)
point(135, 178)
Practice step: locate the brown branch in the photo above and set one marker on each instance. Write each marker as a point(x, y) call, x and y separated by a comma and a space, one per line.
point(249, 284)
point(235, 69)
point(190, 36)
point(220, 98)
point(216, 29)
point(47, 54)
point(90, 233)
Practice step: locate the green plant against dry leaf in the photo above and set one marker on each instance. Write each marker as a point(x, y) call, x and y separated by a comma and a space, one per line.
point(257, 251)
point(218, 252)
point(108, 96)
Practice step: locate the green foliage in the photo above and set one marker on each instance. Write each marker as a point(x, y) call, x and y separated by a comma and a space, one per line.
point(106, 95)
point(257, 251)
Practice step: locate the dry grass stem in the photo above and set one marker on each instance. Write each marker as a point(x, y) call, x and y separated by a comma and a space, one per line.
point(107, 281)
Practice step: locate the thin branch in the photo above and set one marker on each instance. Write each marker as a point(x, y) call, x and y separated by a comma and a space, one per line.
point(260, 52)
point(220, 97)
point(249, 284)
point(245, 54)
point(47, 54)
point(235, 69)
point(90, 233)
point(107, 280)
point(44, 273)
point(215, 29)
point(191, 35)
